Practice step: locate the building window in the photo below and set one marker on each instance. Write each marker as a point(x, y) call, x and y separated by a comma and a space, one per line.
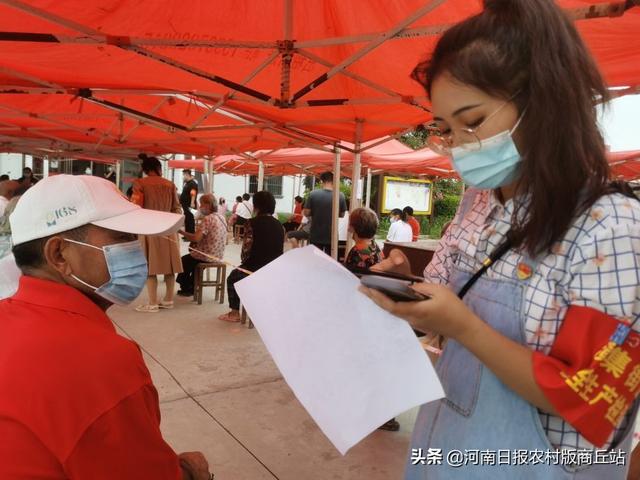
point(271, 184)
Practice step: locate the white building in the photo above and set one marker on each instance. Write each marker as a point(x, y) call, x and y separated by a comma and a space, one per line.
point(227, 186)
point(12, 164)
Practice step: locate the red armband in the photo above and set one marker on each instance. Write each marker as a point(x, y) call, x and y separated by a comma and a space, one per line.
point(592, 373)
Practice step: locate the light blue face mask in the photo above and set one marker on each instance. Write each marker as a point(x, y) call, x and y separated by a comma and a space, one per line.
point(128, 269)
point(494, 165)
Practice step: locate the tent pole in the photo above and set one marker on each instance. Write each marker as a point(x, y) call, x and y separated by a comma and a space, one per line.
point(211, 174)
point(335, 204)
point(356, 194)
point(368, 201)
point(207, 176)
point(118, 172)
point(260, 176)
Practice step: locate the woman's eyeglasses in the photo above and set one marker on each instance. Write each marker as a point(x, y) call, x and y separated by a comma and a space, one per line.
point(441, 140)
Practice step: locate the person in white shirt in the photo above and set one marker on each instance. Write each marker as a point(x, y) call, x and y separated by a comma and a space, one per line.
point(244, 210)
point(400, 230)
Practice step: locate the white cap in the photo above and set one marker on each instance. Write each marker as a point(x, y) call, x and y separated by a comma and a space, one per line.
point(64, 202)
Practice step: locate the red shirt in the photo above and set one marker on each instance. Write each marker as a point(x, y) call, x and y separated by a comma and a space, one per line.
point(77, 399)
point(297, 213)
point(415, 228)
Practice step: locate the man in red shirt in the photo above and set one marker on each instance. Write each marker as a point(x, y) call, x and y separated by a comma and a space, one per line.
point(77, 399)
point(411, 220)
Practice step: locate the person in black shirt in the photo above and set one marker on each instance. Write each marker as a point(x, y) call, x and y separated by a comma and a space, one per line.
point(27, 179)
point(319, 207)
point(263, 243)
point(188, 200)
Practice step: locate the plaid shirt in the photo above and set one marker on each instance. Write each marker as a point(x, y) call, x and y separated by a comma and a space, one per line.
point(596, 265)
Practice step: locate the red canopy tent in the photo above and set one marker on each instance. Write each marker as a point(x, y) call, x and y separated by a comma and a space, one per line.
point(625, 165)
point(114, 77)
point(118, 76)
point(389, 156)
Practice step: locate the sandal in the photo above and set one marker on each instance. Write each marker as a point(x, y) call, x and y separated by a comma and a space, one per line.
point(148, 308)
point(391, 426)
point(166, 305)
point(228, 317)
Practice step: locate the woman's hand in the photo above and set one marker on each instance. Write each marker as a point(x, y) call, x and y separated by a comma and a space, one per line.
point(443, 313)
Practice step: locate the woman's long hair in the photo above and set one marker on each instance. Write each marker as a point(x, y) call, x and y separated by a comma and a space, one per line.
point(532, 49)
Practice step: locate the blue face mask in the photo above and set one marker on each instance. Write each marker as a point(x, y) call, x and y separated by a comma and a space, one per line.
point(494, 165)
point(127, 266)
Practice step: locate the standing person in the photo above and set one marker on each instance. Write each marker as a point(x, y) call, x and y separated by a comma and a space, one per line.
point(210, 239)
point(399, 230)
point(235, 205)
point(222, 207)
point(77, 398)
point(234, 209)
point(110, 174)
point(163, 252)
point(294, 221)
point(188, 199)
point(244, 211)
point(263, 242)
point(27, 179)
point(319, 208)
point(535, 286)
point(413, 223)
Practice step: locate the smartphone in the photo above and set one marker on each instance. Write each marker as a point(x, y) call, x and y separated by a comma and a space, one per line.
point(397, 289)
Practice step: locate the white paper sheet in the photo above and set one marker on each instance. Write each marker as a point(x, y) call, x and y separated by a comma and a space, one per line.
point(9, 276)
point(352, 365)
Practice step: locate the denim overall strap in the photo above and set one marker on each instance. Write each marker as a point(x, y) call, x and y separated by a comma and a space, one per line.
point(480, 413)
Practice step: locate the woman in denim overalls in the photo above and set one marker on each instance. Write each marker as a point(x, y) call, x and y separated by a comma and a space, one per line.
point(513, 92)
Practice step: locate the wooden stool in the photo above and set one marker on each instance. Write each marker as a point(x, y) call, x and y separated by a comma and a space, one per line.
point(244, 317)
point(219, 282)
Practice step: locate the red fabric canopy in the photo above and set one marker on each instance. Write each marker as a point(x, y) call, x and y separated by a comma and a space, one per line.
point(625, 165)
point(392, 157)
point(115, 77)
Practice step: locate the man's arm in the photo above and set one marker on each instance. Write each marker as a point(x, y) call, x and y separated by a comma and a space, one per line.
point(343, 205)
point(194, 194)
point(126, 443)
point(192, 237)
point(306, 211)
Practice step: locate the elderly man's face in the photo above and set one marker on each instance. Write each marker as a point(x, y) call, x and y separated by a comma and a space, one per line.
point(88, 263)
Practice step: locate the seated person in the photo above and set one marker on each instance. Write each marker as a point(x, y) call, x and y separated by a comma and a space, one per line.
point(413, 222)
point(263, 242)
point(400, 230)
point(363, 225)
point(78, 401)
point(296, 219)
point(207, 245)
point(302, 233)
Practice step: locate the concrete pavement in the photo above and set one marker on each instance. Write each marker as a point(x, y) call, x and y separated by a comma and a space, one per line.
point(221, 393)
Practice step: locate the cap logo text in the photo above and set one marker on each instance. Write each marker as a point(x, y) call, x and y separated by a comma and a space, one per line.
point(59, 214)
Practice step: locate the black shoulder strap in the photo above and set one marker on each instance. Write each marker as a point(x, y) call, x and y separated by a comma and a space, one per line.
point(499, 251)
